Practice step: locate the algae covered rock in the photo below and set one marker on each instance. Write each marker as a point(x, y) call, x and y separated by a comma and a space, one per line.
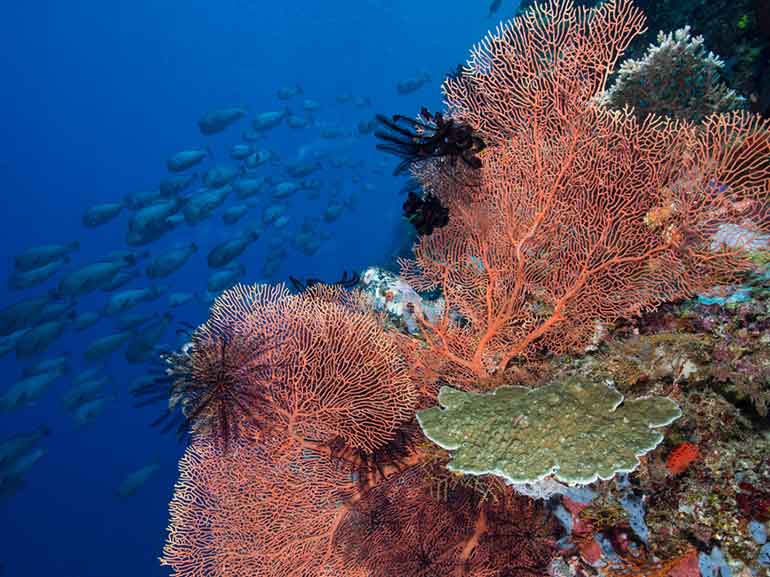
point(576, 431)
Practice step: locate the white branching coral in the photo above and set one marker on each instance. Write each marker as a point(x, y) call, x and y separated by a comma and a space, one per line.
point(677, 77)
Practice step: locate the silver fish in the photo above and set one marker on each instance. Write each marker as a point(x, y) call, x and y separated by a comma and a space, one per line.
point(234, 213)
point(225, 252)
point(88, 411)
point(86, 320)
point(38, 338)
point(268, 120)
point(13, 447)
point(203, 203)
point(240, 151)
point(8, 342)
point(105, 346)
point(58, 363)
point(27, 390)
point(142, 344)
point(287, 92)
point(38, 256)
point(135, 480)
point(90, 277)
point(84, 391)
point(185, 159)
point(219, 119)
point(247, 187)
point(179, 299)
point(171, 260)
point(127, 299)
point(22, 314)
point(224, 279)
point(101, 213)
point(30, 278)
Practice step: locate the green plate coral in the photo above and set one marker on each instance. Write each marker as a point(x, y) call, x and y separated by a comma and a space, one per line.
point(576, 431)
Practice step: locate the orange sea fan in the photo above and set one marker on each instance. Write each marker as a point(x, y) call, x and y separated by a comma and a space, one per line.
point(578, 215)
point(402, 527)
point(266, 509)
point(334, 372)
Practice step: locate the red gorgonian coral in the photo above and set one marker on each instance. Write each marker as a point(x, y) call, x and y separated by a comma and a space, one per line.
point(330, 370)
point(267, 508)
point(330, 390)
point(578, 215)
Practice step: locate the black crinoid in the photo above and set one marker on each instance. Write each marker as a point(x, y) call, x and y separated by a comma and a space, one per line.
point(425, 212)
point(427, 137)
point(214, 385)
point(345, 281)
point(371, 467)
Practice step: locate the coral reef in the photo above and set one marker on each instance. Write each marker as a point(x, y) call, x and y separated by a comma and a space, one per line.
point(677, 77)
point(626, 244)
point(573, 234)
point(401, 528)
point(706, 484)
point(737, 30)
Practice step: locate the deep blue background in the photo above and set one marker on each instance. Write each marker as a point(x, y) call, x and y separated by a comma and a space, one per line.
point(94, 96)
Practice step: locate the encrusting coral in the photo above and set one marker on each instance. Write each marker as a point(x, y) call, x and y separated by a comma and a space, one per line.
point(576, 431)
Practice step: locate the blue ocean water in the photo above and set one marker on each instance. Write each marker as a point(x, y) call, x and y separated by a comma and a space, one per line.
point(96, 96)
